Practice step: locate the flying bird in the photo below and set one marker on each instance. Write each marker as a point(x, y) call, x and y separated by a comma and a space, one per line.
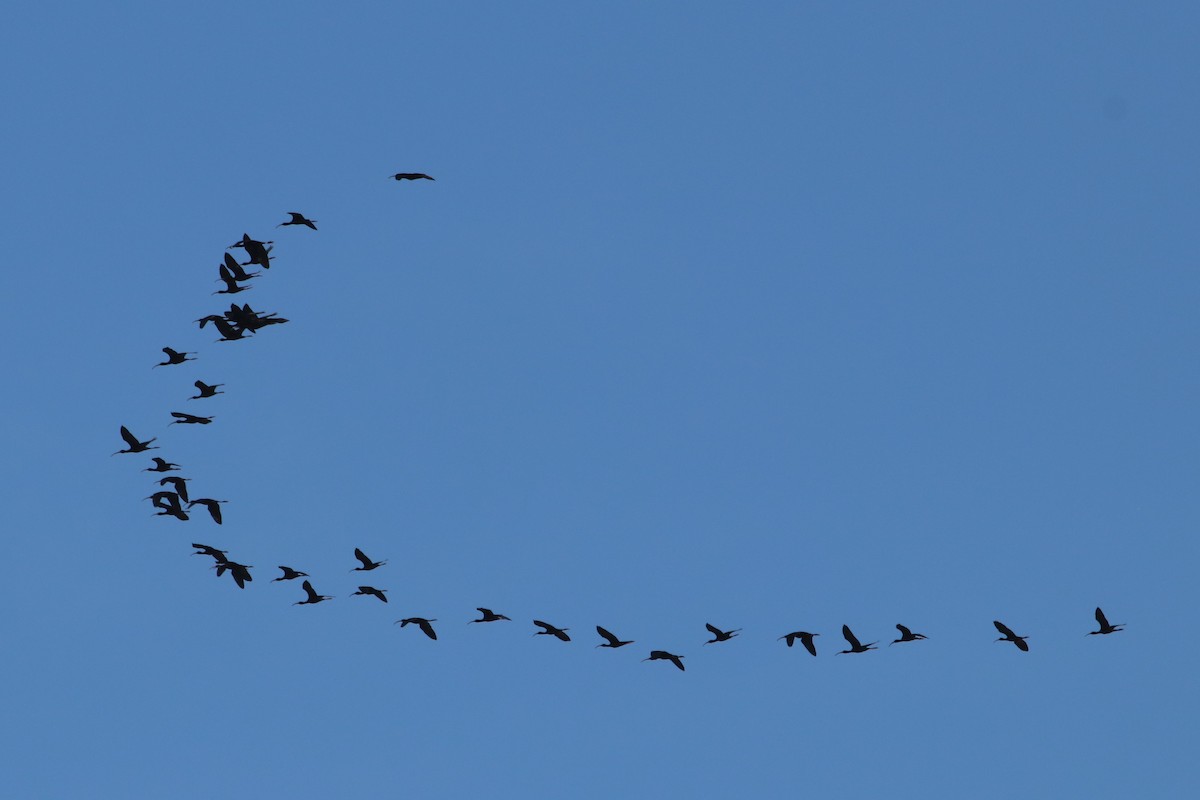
point(422, 622)
point(189, 419)
point(213, 506)
point(236, 271)
point(313, 598)
point(613, 641)
point(136, 446)
point(367, 564)
point(206, 390)
point(550, 630)
point(805, 638)
point(174, 357)
point(231, 283)
point(855, 647)
point(258, 251)
point(365, 590)
point(907, 636)
point(488, 616)
point(1104, 626)
point(239, 572)
point(410, 176)
point(205, 550)
point(1009, 636)
point(160, 465)
point(663, 655)
point(289, 574)
point(720, 635)
point(179, 484)
point(298, 219)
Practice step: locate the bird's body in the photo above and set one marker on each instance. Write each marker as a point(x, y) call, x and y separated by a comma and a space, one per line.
point(213, 506)
point(907, 635)
point(174, 357)
point(611, 640)
point(298, 219)
point(136, 446)
point(663, 655)
point(720, 635)
point(410, 176)
point(206, 390)
point(488, 616)
point(367, 564)
point(1009, 636)
point(855, 646)
point(371, 590)
point(421, 622)
point(289, 574)
point(189, 419)
point(313, 598)
point(1105, 628)
point(805, 638)
point(550, 630)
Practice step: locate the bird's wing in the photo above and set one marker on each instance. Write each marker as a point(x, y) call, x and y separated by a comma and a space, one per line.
point(541, 624)
point(904, 632)
point(676, 661)
point(1021, 645)
point(312, 593)
point(611, 639)
point(715, 631)
point(849, 636)
point(129, 438)
point(361, 556)
point(1004, 629)
point(809, 645)
point(1101, 618)
point(429, 631)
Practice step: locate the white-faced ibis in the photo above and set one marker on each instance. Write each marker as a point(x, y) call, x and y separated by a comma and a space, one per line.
point(488, 616)
point(371, 590)
point(164, 499)
point(907, 636)
point(160, 464)
point(1009, 636)
point(805, 638)
point(213, 506)
point(313, 598)
point(182, 418)
point(179, 484)
point(663, 655)
point(236, 271)
point(258, 251)
point(612, 641)
point(367, 564)
point(136, 446)
point(290, 574)
point(720, 635)
point(855, 647)
point(550, 630)
point(423, 623)
point(239, 572)
point(298, 219)
point(231, 283)
point(410, 176)
point(206, 390)
point(229, 333)
point(174, 357)
point(1104, 626)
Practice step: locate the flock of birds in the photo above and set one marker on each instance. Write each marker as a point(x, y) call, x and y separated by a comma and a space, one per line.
point(241, 322)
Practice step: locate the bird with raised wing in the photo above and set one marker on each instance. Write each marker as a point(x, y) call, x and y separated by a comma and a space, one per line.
point(488, 616)
point(907, 636)
point(206, 390)
point(160, 464)
point(298, 219)
point(313, 598)
point(367, 564)
point(1009, 636)
point(174, 357)
point(855, 646)
point(720, 635)
point(610, 640)
point(1105, 628)
point(137, 446)
point(289, 574)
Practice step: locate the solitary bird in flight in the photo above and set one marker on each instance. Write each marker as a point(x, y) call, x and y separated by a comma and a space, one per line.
point(290, 574)
point(1104, 626)
point(488, 616)
point(313, 598)
point(663, 655)
point(160, 464)
point(206, 390)
point(174, 357)
point(805, 638)
point(298, 219)
point(136, 446)
point(1009, 636)
point(855, 647)
point(550, 630)
point(907, 636)
point(613, 641)
point(720, 635)
point(420, 621)
point(367, 564)
point(410, 176)
point(365, 590)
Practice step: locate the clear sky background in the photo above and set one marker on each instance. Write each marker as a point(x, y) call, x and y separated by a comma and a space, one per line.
point(775, 316)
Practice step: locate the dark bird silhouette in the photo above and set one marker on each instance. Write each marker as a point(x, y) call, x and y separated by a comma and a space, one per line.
point(160, 465)
point(231, 283)
point(164, 499)
point(189, 419)
point(179, 484)
point(805, 638)
point(1009, 636)
point(213, 506)
point(365, 590)
point(205, 550)
point(313, 598)
point(613, 641)
point(907, 636)
point(290, 574)
point(206, 390)
point(720, 635)
point(422, 622)
point(229, 333)
point(136, 446)
point(488, 616)
point(235, 270)
point(663, 655)
point(258, 251)
point(239, 572)
point(1104, 626)
point(298, 219)
point(174, 357)
point(855, 647)
point(410, 176)
point(367, 564)
point(550, 630)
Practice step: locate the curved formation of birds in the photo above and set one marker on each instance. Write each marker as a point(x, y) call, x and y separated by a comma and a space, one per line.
point(241, 322)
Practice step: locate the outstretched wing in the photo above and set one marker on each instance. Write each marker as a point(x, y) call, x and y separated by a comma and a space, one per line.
point(607, 635)
point(1005, 630)
point(850, 637)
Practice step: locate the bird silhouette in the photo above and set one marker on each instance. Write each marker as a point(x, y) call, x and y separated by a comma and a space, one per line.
point(720, 635)
point(169, 504)
point(410, 176)
point(488, 616)
point(805, 638)
point(1104, 626)
point(613, 641)
point(239, 572)
point(213, 506)
point(855, 647)
point(236, 271)
point(205, 550)
point(365, 590)
point(231, 283)
point(174, 357)
point(179, 484)
point(313, 598)
point(206, 390)
point(160, 464)
point(229, 333)
point(289, 574)
point(298, 219)
point(663, 655)
point(1009, 636)
point(182, 418)
point(422, 622)
point(907, 636)
point(136, 446)
point(550, 630)
point(258, 251)
point(367, 564)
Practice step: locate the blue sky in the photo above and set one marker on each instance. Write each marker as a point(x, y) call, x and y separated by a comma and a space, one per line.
point(781, 317)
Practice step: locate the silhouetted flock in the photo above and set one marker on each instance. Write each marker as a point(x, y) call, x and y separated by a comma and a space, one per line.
point(241, 322)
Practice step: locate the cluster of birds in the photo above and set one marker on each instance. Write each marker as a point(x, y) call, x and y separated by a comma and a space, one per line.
point(239, 322)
